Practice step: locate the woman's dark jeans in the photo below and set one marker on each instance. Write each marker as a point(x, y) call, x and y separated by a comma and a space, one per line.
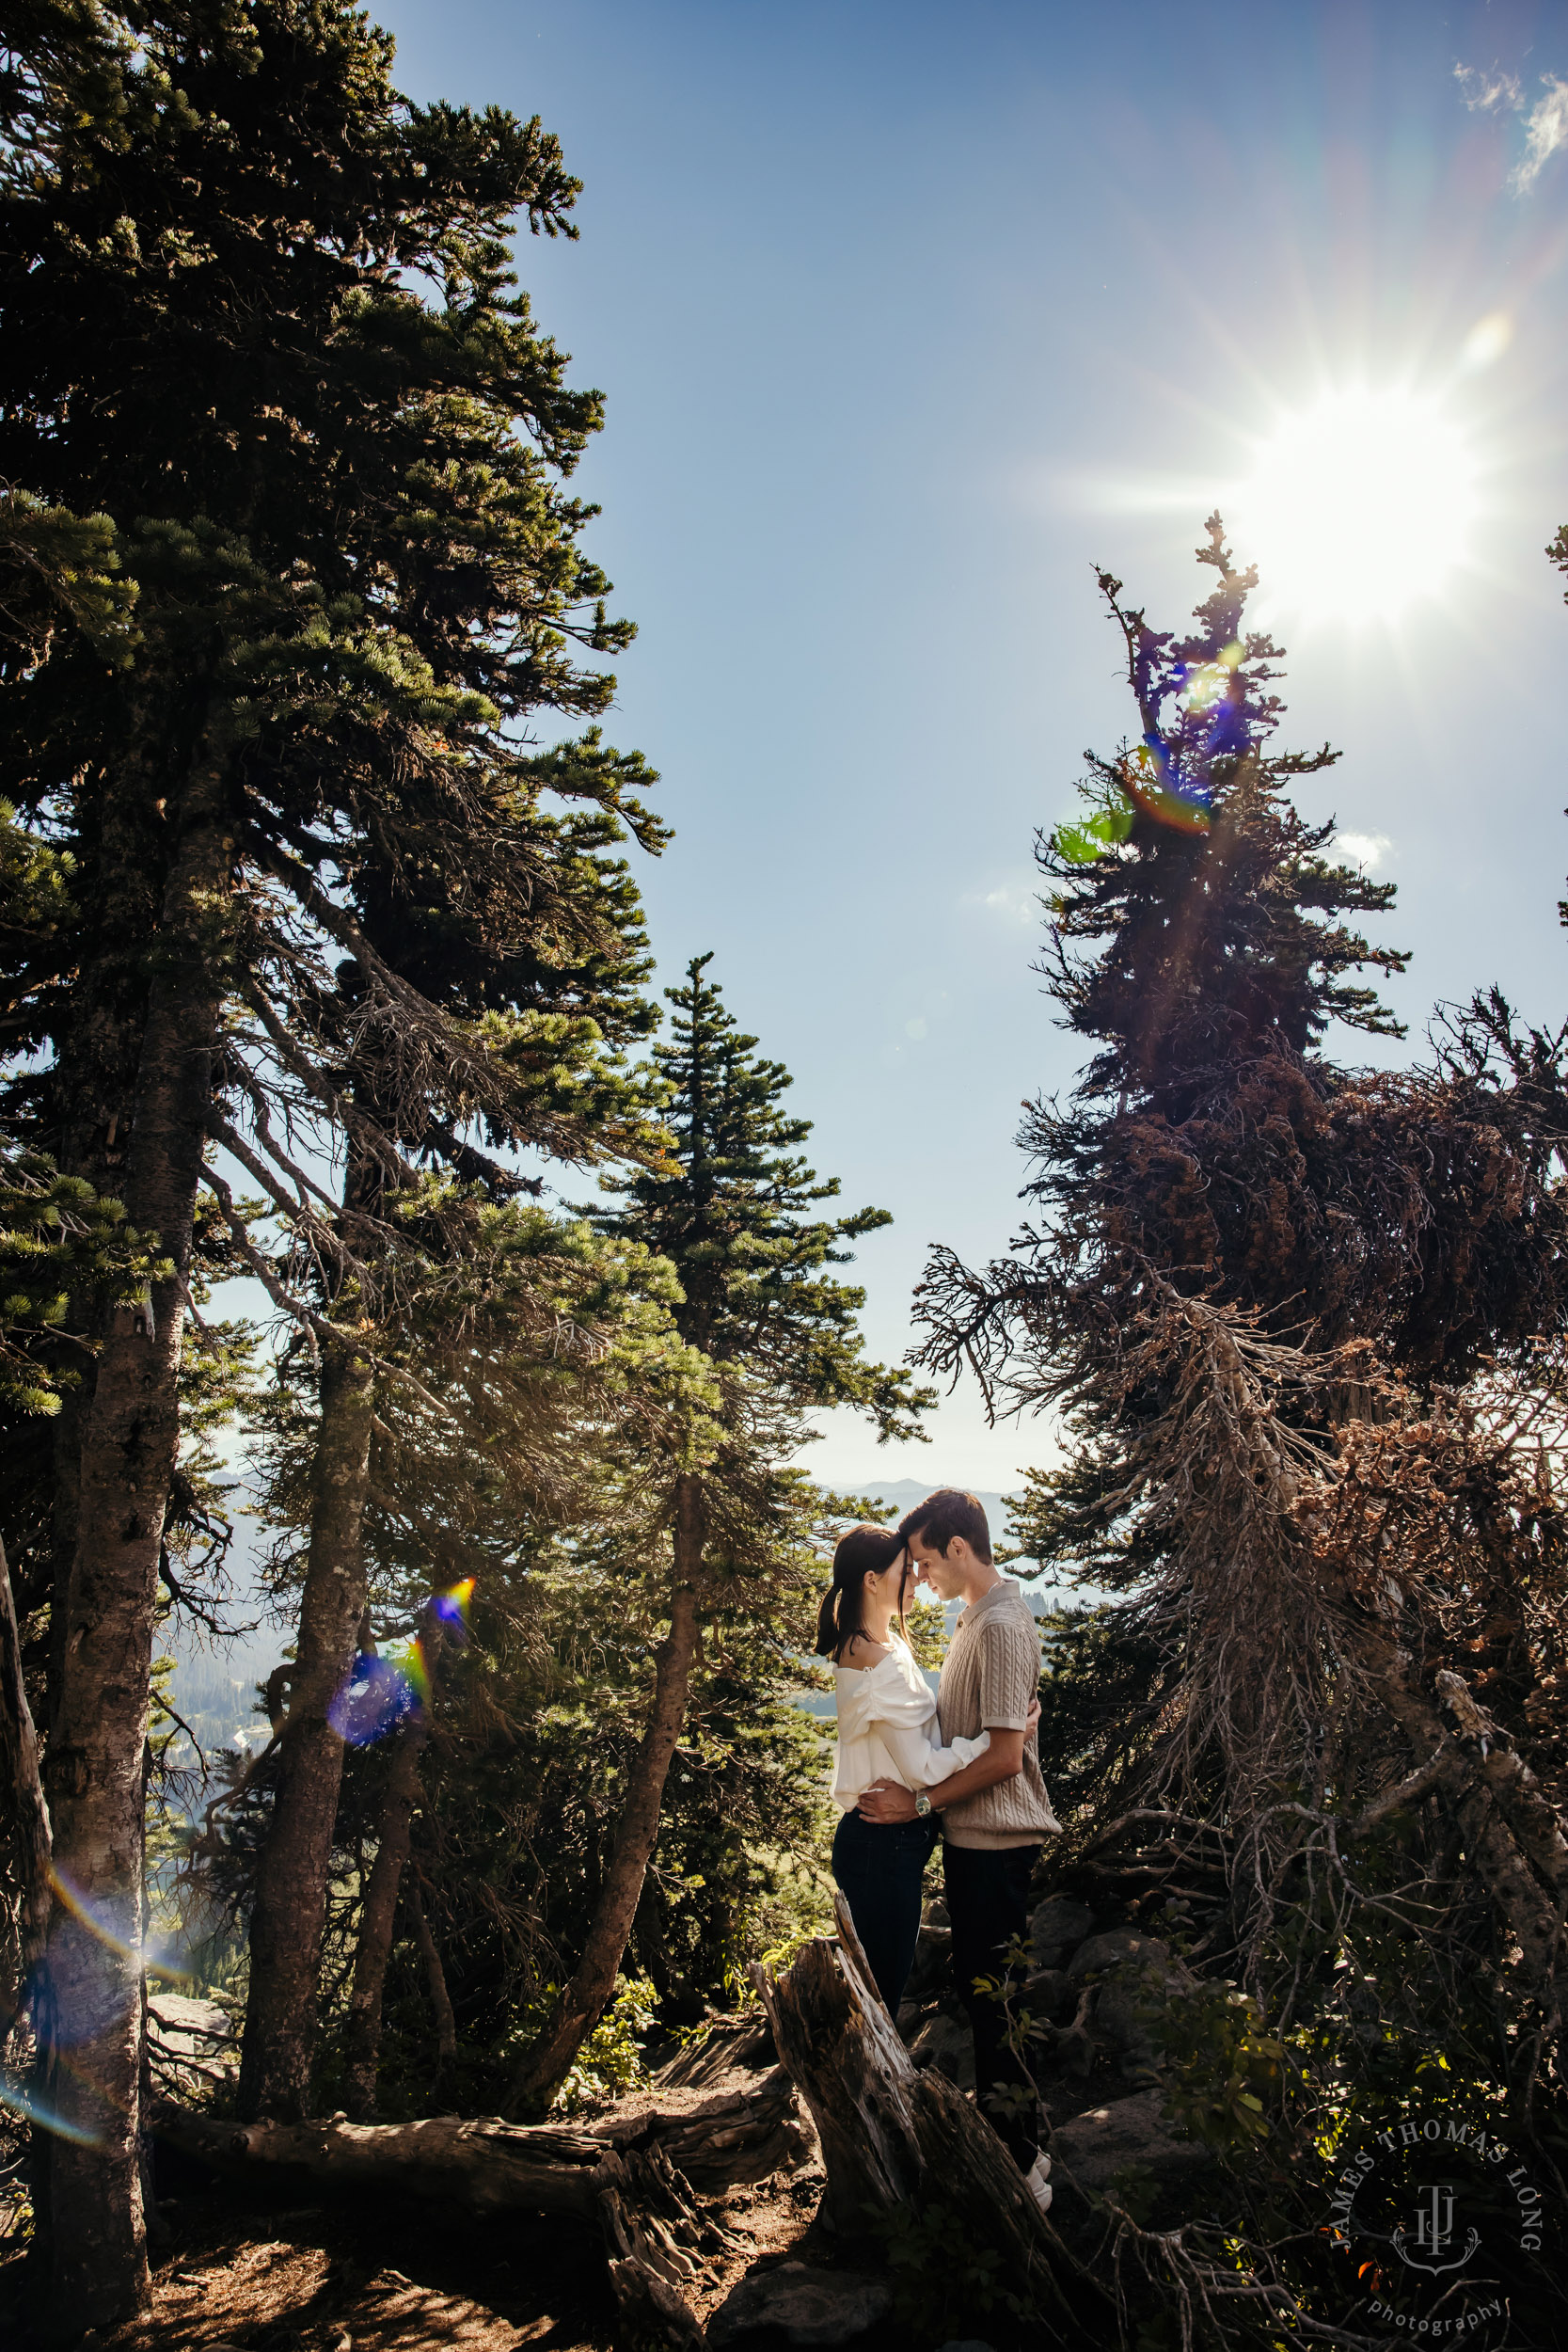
point(879, 1865)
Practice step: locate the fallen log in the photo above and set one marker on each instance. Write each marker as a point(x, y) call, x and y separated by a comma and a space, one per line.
point(741, 2041)
point(655, 2237)
point(636, 2177)
point(488, 2166)
point(895, 2140)
point(735, 2138)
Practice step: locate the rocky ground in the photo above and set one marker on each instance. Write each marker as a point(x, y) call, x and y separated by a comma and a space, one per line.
point(1094, 1963)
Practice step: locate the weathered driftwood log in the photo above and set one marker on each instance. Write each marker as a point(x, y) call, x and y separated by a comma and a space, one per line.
point(892, 2136)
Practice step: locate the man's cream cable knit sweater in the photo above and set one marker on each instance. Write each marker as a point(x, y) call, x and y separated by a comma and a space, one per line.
point(989, 1678)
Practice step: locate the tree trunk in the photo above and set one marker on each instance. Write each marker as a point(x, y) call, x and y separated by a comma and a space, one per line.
point(379, 1914)
point(288, 1915)
point(125, 884)
point(435, 1977)
point(582, 2003)
point(94, 1771)
point(29, 1836)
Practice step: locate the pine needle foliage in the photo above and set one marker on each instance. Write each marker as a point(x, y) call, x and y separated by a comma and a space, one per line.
point(732, 1211)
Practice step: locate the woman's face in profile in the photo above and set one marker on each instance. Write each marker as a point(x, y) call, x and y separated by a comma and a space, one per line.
point(893, 1587)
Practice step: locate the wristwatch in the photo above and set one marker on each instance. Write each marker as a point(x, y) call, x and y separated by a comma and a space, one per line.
point(922, 1803)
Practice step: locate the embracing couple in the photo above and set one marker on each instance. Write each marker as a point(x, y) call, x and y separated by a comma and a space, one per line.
point(964, 1764)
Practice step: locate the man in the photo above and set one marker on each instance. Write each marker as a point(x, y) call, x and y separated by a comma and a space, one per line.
point(995, 1813)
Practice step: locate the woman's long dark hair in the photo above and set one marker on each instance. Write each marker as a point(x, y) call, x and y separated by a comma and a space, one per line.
point(864, 1551)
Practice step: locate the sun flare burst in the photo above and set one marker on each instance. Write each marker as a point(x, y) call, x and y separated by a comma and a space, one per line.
point(1359, 506)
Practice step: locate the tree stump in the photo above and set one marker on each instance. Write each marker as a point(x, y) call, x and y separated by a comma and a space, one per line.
point(893, 2138)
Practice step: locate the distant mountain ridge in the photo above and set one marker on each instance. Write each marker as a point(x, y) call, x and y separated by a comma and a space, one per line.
point(902, 1494)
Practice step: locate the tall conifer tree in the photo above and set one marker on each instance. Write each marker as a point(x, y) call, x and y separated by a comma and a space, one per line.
point(1301, 1320)
point(735, 1215)
point(258, 313)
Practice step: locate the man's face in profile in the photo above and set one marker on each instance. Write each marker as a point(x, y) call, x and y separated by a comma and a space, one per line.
point(945, 1574)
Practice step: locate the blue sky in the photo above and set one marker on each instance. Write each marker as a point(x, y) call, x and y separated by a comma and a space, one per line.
point(908, 316)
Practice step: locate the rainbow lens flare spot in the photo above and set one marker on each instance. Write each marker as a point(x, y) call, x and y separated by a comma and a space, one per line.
point(452, 1607)
point(22, 2100)
point(376, 1696)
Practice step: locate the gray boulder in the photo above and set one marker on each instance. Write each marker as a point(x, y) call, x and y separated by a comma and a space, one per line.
point(946, 2044)
point(1139, 1969)
point(932, 1969)
point(1095, 2146)
point(1046, 1991)
point(1058, 1927)
point(1116, 1945)
point(805, 2305)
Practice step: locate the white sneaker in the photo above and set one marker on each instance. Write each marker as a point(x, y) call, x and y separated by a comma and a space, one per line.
point(1036, 2181)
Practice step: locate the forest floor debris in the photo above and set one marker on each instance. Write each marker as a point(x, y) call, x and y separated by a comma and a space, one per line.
point(385, 2276)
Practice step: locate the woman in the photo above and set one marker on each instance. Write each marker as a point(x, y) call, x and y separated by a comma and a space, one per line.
point(887, 1730)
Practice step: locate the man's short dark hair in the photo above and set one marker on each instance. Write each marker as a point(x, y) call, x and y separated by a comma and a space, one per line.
point(948, 1512)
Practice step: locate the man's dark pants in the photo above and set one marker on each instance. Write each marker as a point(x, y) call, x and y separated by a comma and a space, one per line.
point(988, 1904)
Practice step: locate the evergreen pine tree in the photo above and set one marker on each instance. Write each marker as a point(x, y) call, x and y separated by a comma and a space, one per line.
point(1199, 944)
point(734, 1215)
point(258, 314)
point(522, 1362)
point(1301, 1322)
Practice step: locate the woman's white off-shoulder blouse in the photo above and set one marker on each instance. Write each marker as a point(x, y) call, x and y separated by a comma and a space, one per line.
point(888, 1729)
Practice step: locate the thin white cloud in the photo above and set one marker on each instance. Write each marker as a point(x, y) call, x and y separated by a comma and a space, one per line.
point(1483, 91)
point(1545, 130)
point(1014, 902)
point(1365, 849)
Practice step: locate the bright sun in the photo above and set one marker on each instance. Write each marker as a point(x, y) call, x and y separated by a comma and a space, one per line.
point(1357, 506)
